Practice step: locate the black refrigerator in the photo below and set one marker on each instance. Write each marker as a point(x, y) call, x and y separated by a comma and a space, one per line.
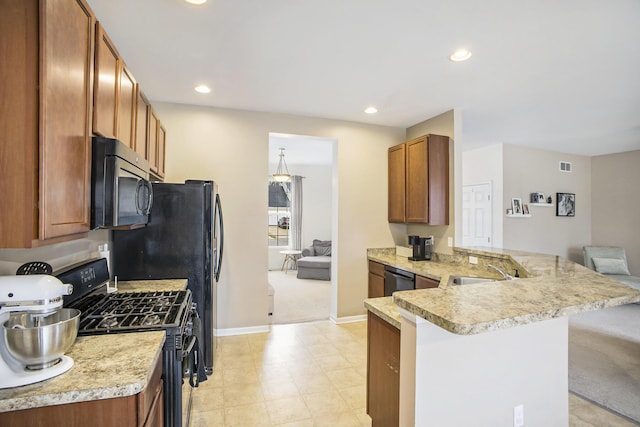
point(183, 239)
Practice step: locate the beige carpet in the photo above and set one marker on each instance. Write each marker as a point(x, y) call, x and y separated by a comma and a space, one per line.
point(299, 300)
point(604, 358)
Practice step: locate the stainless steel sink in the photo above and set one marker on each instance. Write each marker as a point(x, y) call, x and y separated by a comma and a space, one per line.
point(468, 280)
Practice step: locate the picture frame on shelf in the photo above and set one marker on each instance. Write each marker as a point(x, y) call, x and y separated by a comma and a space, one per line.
point(525, 209)
point(565, 204)
point(541, 198)
point(516, 205)
point(537, 198)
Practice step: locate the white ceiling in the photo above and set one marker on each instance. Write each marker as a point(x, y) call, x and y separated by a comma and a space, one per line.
point(559, 75)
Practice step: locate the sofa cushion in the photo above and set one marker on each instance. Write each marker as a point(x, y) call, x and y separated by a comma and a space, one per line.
point(321, 247)
point(611, 266)
point(315, 262)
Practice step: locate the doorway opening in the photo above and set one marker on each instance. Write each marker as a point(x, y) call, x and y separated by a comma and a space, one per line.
point(300, 212)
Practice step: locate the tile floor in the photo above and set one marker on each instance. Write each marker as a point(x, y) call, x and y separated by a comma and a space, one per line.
point(308, 374)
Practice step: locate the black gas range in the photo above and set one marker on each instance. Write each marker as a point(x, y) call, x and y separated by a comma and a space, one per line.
point(125, 312)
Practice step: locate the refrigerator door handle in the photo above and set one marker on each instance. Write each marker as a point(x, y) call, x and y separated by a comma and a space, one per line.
point(218, 265)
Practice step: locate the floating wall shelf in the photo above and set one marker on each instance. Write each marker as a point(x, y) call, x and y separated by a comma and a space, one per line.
point(519, 215)
point(546, 205)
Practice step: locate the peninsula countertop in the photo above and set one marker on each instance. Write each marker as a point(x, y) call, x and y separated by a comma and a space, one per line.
point(551, 287)
point(105, 366)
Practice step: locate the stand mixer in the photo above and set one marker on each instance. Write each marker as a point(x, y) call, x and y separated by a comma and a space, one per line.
point(34, 352)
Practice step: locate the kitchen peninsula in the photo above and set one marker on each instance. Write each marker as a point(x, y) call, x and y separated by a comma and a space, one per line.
point(472, 354)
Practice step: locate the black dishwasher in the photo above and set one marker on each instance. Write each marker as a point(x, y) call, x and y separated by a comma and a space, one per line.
point(397, 280)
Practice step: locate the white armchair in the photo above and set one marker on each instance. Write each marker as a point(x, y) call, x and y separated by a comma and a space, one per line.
point(610, 261)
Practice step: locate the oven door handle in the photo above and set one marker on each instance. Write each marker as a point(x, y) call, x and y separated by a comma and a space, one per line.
point(192, 342)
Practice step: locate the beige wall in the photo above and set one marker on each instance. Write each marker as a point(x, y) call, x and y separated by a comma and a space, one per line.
point(615, 184)
point(231, 147)
point(438, 125)
point(528, 170)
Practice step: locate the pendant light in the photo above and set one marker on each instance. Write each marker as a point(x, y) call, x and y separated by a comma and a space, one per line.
point(282, 173)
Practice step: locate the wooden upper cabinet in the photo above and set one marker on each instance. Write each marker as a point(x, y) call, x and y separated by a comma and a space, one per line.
point(419, 185)
point(45, 125)
point(162, 142)
point(396, 188)
point(417, 181)
point(127, 99)
point(66, 96)
point(105, 86)
point(141, 126)
point(152, 139)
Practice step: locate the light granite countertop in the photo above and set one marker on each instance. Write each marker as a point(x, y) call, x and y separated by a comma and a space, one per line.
point(550, 287)
point(152, 285)
point(105, 366)
point(384, 308)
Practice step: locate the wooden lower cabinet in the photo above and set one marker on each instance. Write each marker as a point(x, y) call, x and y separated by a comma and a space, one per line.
point(383, 372)
point(426, 283)
point(141, 410)
point(376, 279)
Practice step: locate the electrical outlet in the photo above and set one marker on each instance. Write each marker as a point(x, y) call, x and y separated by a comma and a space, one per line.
point(450, 241)
point(473, 260)
point(518, 416)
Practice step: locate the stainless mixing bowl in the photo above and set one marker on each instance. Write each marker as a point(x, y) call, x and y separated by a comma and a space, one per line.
point(39, 340)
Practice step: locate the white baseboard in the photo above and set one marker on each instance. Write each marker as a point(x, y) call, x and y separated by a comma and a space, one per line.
point(241, 331)
point(348, 319)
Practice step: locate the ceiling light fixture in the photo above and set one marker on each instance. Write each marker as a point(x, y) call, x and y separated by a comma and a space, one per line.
point(460, 55)
point(371, 110)
point(282, 173)
point(196, 2)
point(202, 89)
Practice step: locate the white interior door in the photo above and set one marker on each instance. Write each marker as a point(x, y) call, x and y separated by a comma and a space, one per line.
point(476, 215)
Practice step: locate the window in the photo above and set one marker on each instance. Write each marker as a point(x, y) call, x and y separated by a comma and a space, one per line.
point(279, 213)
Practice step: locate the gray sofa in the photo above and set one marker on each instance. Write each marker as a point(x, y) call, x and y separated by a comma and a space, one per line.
point(610, 261)
point(315, 262)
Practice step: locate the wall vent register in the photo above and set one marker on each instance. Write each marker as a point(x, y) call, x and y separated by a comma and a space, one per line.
point(565, 166)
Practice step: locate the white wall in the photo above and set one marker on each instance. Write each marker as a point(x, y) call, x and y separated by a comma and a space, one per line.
point(485, 165)
point(230, 147)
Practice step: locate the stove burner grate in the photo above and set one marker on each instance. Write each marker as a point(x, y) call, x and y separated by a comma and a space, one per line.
point(132, 311)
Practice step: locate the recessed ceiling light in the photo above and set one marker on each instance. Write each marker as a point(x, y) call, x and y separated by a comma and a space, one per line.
point(460, 55)
point(202, 89)
point(196, 1)
point(371, 110)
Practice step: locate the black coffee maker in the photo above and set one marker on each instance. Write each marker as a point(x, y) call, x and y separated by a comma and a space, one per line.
point(421, 248)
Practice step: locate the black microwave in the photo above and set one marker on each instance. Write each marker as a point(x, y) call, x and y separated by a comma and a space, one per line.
point(121, 194)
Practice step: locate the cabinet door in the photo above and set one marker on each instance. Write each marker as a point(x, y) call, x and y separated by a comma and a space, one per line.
point(18, 123)
point(396, 199)
point(152, 139)
point(376, 286)
point(105, 86)
point(438, 180)
point(140, 143)
point(417, 176)
point(126, 107)
point(383, 372)
point(162, 142)
point(67, 41)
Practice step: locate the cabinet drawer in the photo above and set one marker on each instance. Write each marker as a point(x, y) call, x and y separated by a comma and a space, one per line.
point(426, 283)
point(376, 268)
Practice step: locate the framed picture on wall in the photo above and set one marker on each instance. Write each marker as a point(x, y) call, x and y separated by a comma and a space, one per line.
point(565, 204)
point(516, 205)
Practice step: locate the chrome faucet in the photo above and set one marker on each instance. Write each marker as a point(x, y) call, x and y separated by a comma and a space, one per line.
point(505, 276)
